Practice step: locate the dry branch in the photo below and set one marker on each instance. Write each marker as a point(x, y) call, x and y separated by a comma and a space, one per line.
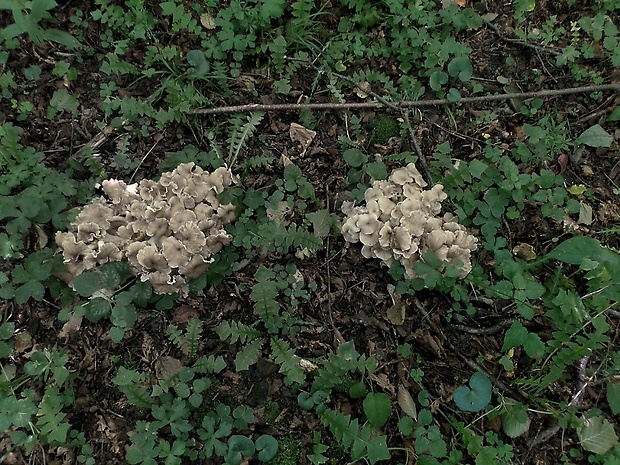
point(407, 104)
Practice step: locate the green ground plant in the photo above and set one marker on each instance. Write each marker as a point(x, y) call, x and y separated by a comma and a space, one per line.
point(560, 298)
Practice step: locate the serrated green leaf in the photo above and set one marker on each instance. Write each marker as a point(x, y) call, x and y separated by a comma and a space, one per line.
point(249, 354)
point(117, 334)
point(377, 407)
point(596, 434)
point(96, 309)
point(354, 157)
point(595, 136)
point(515, 420)
point(613, 397)
point(86, 284)
point(31, 289)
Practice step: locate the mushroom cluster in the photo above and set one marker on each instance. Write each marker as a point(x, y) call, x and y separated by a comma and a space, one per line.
point(401, 221)
point(167, 230)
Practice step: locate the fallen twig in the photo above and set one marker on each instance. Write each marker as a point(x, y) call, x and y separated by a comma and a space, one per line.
point(538, 48)
point(406, 104)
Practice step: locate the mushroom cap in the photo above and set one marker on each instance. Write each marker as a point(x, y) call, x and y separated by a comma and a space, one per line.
point(373, 193)
point(174, 252)
point(182, 218)
point(350, 230)
point(96, 212)
point(410, 205)
point(382, 253)
point(88, 232)
point(72, 249)
point(191, 236)
point(415, 223)
point(226, 213)
point(107, 252)
point(370, 239)
point(196, 266)
point(216, 242)
point(368, 223)
point(157, 227)
point(436, 239)
point(401, 176)
point(385, 236)
point(152, 260)
point(415, 174)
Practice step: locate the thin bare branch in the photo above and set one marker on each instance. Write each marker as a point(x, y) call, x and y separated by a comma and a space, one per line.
point(407, 104)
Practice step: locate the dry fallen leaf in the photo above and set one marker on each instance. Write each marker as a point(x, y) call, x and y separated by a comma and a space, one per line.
point(406, 402)
point(183, 314)
point(362, 89)
point(207, 21)
point(71, 327)
point(302, 135)
point(396, 313)
point(166, 367)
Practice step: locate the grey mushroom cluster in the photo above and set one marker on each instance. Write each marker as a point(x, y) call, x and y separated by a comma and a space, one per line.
point(401, 221)
point(168, 230)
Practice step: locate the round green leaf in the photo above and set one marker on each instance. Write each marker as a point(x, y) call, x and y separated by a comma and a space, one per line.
point(357, 390)
point(86, 284)
point(267, 447)
point(377, 407)
point(477, 396)
point(377, 170)
point(438, 79)
point(304, 399)
point(515, 420)
point(461, 67)
point(354, 157)
point(238, 447)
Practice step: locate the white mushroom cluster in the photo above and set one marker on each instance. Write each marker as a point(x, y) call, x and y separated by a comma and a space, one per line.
point(167, 230)
point(401, 221)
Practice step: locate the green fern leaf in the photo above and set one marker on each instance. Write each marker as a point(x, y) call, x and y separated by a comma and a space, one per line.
point(175, 335)
point(234, 331)
point(192, 338)
point(241, 131)
point(288, 361)
point(209, 364)
point(249, 354)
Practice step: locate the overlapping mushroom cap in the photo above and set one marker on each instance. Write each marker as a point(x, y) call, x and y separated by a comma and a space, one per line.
point(401, 221)
point(168, 230)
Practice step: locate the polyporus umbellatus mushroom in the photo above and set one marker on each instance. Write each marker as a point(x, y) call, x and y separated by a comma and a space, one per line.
point(401, 221)
point(168, 230)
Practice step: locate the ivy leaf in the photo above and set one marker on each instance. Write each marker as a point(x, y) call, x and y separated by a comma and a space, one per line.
point(515, 420)
point(377, 407)
point(596, 434)
point(595, 136)
point(475, 397)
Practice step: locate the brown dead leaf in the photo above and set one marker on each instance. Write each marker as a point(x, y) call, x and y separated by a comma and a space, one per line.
point(384, 382)
point(563, 160)
point(406, 402)
point(183, 314)
point(71, 327)
point(302, 136)
point(166, 367)
point(362, 89)
point(23, 342)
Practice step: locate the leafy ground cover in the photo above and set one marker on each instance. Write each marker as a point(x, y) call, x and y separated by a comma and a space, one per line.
point(292, 347)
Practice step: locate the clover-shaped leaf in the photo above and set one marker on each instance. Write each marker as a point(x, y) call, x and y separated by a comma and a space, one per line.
point(475, 397)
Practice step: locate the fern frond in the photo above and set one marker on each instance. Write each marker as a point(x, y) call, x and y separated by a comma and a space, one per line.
point(351, 436)
point(288, 361)
point(257, 161)
point(234, 331)
point(249, 354)
point(209, 364)
point(175, 335)
point(192, 338)
point(241, 131)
